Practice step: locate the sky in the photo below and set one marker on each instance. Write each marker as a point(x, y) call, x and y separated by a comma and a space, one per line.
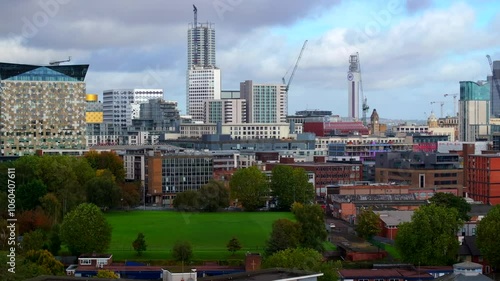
point(412, 52)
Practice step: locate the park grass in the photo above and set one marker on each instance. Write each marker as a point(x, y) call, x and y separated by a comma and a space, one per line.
point(208, 233)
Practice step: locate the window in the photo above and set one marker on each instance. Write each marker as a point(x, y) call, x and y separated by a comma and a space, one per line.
point(85, 262)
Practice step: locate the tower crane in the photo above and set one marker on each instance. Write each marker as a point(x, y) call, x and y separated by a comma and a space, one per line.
point(58, 62)
point(441, 103)
point(364, 101)
point(491, 63)
point(454, 102)
point(294, 69)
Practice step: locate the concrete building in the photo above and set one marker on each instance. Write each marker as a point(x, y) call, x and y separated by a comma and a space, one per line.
point(483, 178)
point(420, 169)
point(203, 84)
point(158, 115)
point(226, 111)
point(201, 45)
point(120, 106)
point(93, 111)
point(266, 103)
point(353, 85)
point(41, 107)
point(230, 94)
point(474, 111)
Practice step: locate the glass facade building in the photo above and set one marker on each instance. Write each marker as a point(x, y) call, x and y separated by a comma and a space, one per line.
point(474, 111)
point(42, 107)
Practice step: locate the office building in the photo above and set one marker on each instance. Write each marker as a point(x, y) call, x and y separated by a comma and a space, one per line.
point(494, 82)
point(203, 84)
point(474, 111)
point(226, 111)
point(41, 107)
point(266, 103)
point(201, 44)
point(123, 105)
point(483, 178)
point(353, 83)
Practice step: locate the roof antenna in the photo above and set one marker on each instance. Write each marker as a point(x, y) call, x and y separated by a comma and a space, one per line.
point(58, 62)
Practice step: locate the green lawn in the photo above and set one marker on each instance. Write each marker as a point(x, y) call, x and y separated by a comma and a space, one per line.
point(207, 232)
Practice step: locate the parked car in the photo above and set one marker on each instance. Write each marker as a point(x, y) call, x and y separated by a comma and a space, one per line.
point(332, 225)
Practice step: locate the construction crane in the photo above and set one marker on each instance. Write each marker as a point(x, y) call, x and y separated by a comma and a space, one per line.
point(441, 103)
point(58, 62)
point(455, 113)
point(364, 101)
point(294, 69)
point(491, 63)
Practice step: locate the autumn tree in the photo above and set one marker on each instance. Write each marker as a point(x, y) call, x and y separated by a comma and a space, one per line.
point(233, 245)
point(33, 219)
point(284, 234)
point(367, 224)
point(107, 274)
point(312, 225)
point(488, 236)
point(452, 201)
point(131, 193)
point(139, 244)
point(430, 237)
point(250, 187)
point(46, 260)
point(86, 230)
point(304, 259)
point(213, 196)
point(291, 185)
point(103, 191)
point(51, 207)
point(187, 201)
point(34, 240)
point(107, 160)
point(182, 251)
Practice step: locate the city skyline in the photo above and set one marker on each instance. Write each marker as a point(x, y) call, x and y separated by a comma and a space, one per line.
point(411, 52)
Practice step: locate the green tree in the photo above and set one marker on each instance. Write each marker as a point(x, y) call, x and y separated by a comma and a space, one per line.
point(107, 160)
point(488, 236)
point(304, 259)
point(85, 230)
point(187, 201)
point(451, 201)
point(108, 274)
point(213, 196)
point(28, 195)
point(54, 243)
point(430, 237)
point(34, 240)
point(291, 185)
point(139, 244)
point(51, 207)
point(250, 187)
point(233, 245)
point(312, 225)
point(182, 251)
point(368, 224)
point(46, 260)
point(131, 193)
point(103, 191)
point(285, 234)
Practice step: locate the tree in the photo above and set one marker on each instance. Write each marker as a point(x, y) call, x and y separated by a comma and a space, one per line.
point(85, 230)
point(291, 185)
point(54, 243)
point(187, 201)
point(233, 245)
point(139, 244)
point(430, 237)
point(312, 225)
point(34, 240)
point(303, 259)
point(213, 196)
point(451, 201)
point(250, 187)
point(46, 260)
point(103, 191)
point(182, 251)
point(285, 234)
point(488, 236)
point(107, 160)
point(28, 195)
point(108, 274)
point(33, 219)
point(51, 207)
point(368, 224)
point(131, 193)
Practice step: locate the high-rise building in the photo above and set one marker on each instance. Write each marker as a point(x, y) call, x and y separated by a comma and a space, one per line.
point(353, 82)
point(474, 111)
point(121, 106)
point(266, 103)
point(158, 114)
point(495, 89)
point(226, 111)
point(203, 83)
point(41, 107)
point(201, 43)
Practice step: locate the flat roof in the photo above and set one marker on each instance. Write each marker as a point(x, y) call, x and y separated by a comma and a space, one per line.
point(272, 274)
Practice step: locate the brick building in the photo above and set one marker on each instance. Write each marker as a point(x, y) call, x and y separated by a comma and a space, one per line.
point(483, 178)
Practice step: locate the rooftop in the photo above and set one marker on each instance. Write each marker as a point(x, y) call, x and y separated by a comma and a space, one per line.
point(27, 72)
point(272, 274)
point(394, 218)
